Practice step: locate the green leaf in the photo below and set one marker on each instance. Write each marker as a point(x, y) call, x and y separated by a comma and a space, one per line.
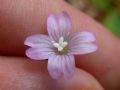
point(112, 22)
point(104, 5)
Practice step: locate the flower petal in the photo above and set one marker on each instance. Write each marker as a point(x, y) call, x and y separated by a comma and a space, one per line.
point(83, 48)
point(53, 27)
point(61, 65)
point(59, 26)
point(81, 37)
point(68, 66)
point(55, 67)
point(38, 40)
point(39, 53)
point(65, 23)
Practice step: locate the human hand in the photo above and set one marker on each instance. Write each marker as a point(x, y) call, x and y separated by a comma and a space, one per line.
point(19, 19)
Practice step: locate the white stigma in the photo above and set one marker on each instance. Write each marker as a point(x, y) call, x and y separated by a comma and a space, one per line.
point(61, 44)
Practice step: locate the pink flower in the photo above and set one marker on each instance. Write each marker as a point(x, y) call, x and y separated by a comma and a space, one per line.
point(60, 46)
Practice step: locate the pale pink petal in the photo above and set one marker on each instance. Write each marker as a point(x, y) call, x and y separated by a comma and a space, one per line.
point(80, 37)
point(83, 48)
point(39, 53)
point(68, 66)
point(38, 40)
point(59, 25)
point(65, 23)
point(55, 67)
point(53, 27)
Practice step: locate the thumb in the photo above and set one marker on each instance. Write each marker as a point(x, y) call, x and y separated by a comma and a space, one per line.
point(33, 76)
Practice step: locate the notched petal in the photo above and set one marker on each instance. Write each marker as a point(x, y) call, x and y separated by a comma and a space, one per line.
point(81, 37)
point(84, 48)
point(39, 53)
point(59, 25)
point(38, 40)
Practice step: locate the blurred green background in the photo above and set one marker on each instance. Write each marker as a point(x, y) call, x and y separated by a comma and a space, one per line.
point(106, 12)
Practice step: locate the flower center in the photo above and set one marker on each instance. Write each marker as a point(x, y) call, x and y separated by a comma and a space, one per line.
point(61, 45)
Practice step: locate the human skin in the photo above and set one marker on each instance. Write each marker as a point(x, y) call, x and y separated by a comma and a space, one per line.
point(22, 18)
point(22, 74)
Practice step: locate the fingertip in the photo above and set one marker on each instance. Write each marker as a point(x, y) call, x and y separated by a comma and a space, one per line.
point(35, 77)
point(81, 81)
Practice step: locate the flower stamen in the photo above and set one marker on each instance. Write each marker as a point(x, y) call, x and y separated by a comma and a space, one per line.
point(61, 44)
